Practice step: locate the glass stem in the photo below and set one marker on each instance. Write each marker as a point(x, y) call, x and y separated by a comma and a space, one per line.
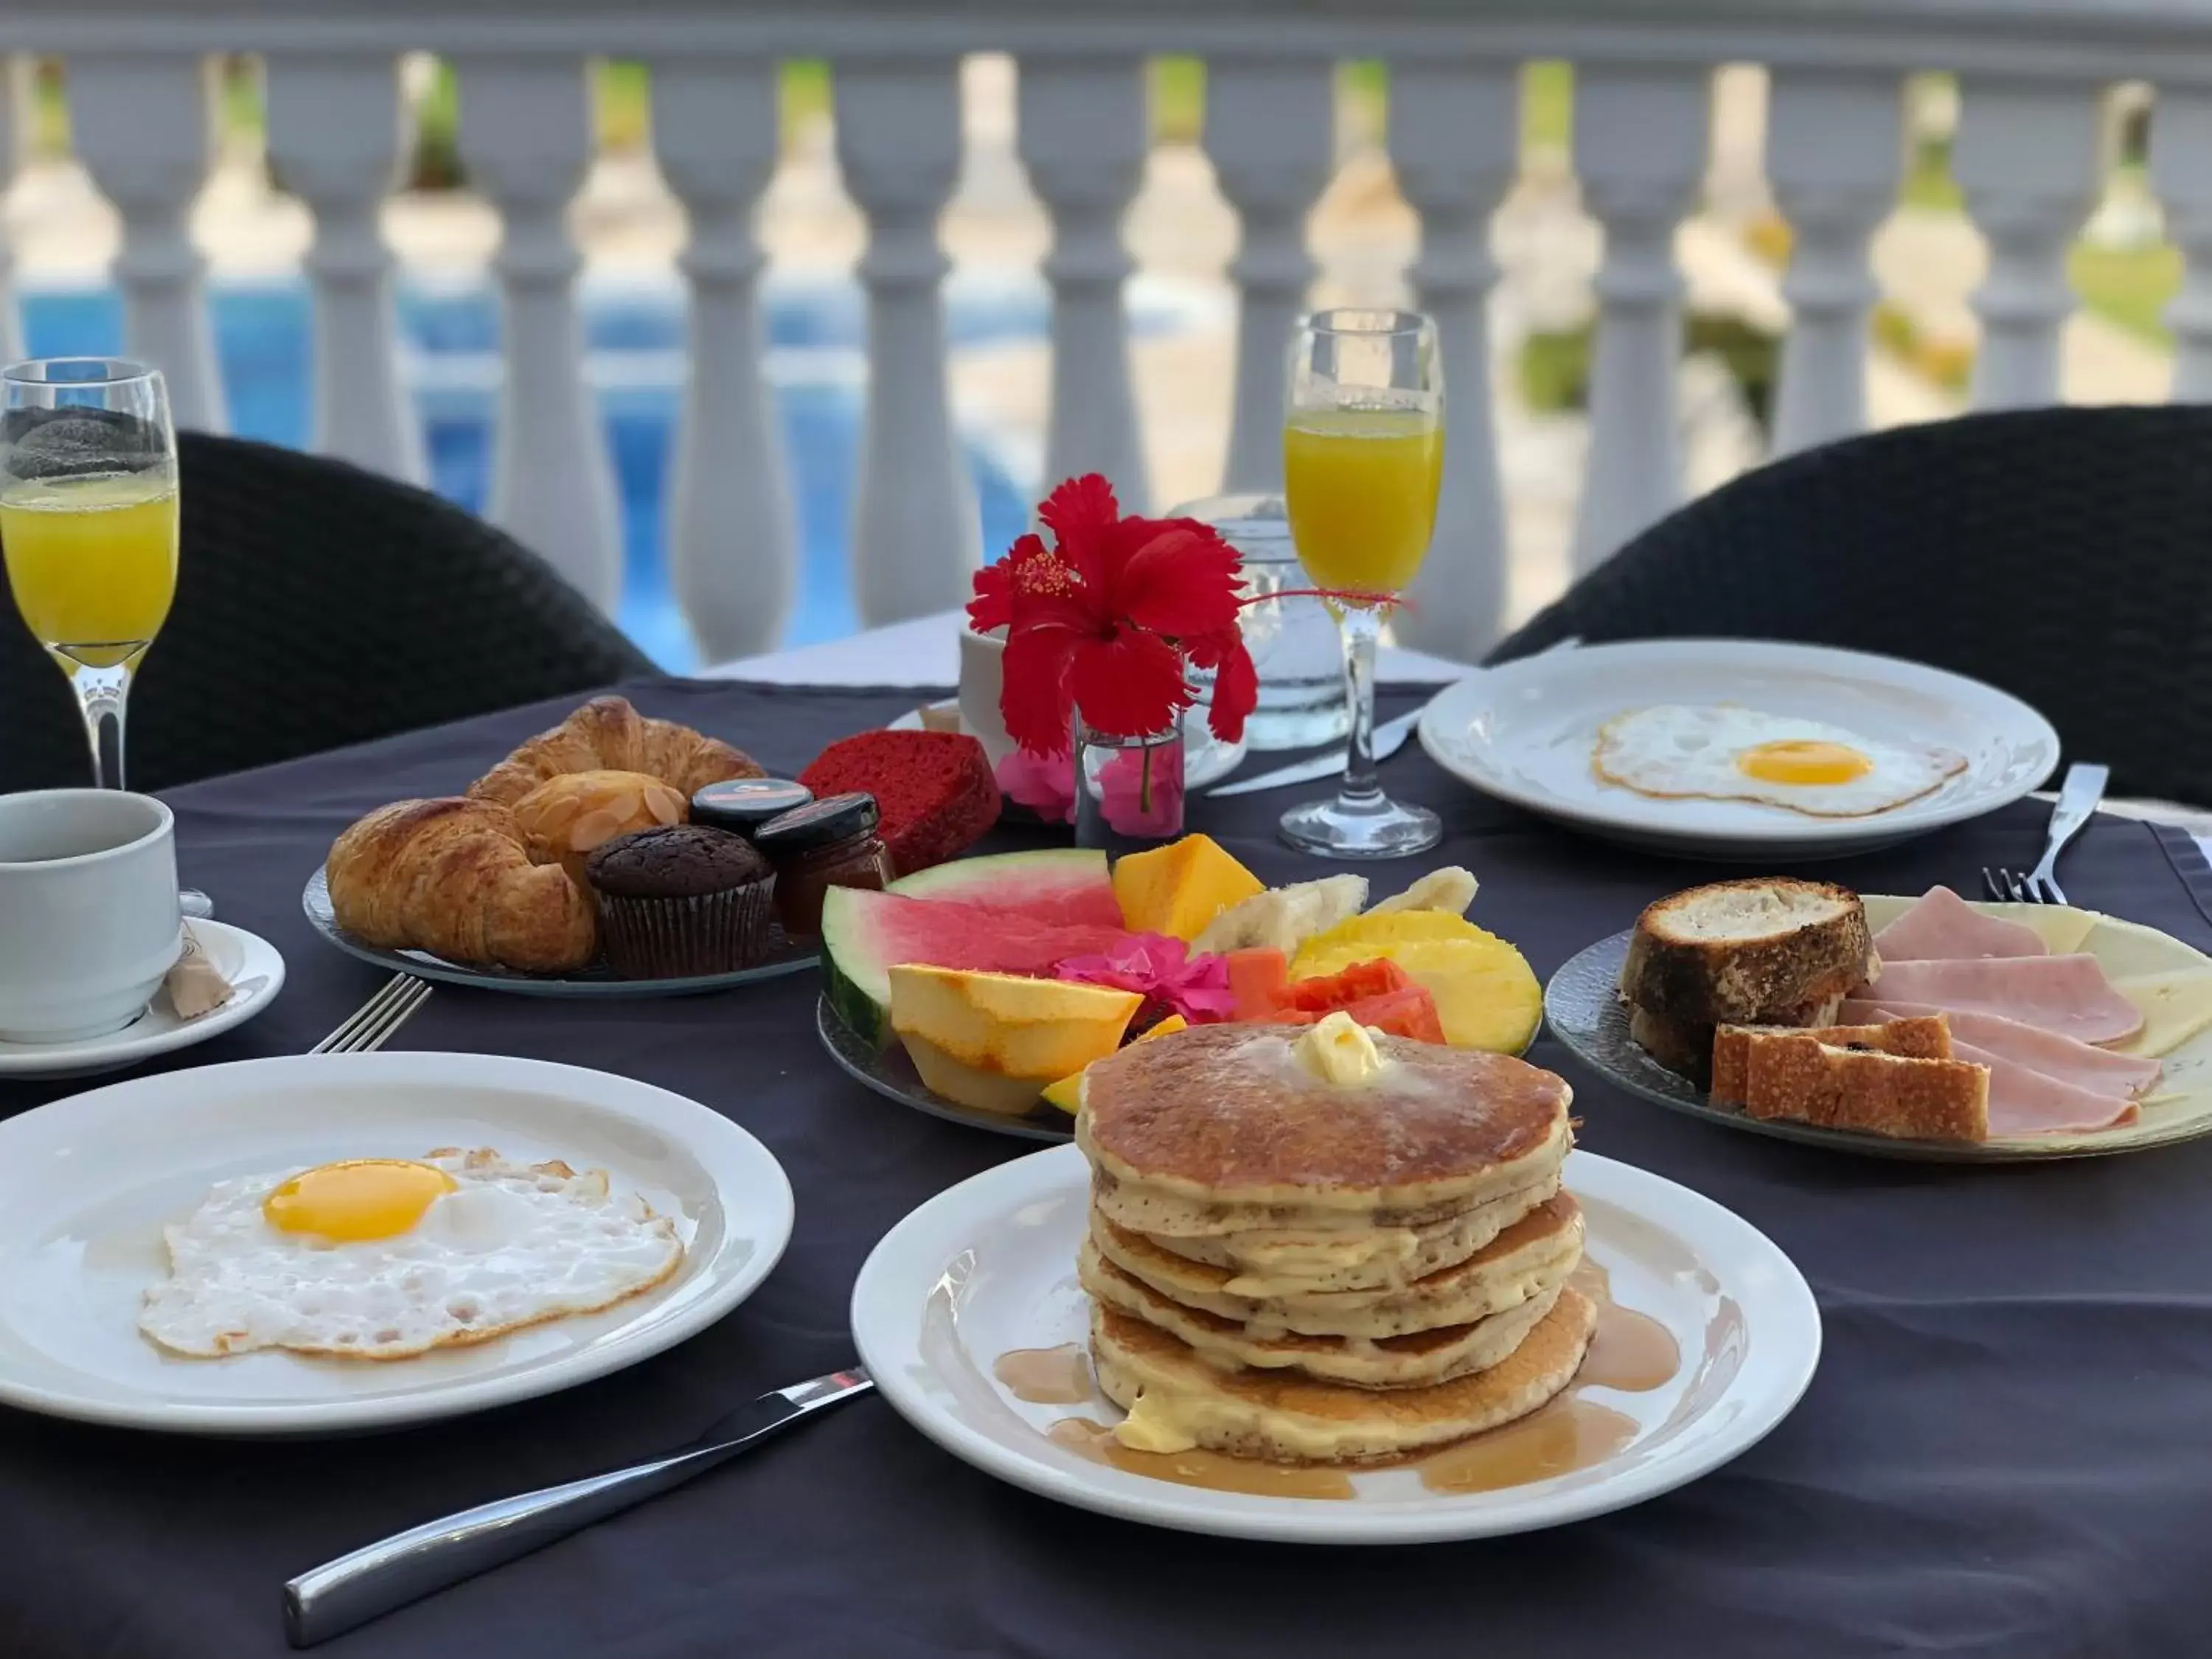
point(102, 693)
point(1357, 628)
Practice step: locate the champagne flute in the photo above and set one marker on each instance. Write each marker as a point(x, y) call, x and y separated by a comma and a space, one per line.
point(1362, 456)
point(88, 525)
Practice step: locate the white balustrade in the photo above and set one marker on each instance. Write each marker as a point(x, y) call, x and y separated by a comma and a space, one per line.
point(1833, 155)
point(1269, 129)
point(1083, 138)
point(916, 531)
point(1455, 135)
point(2026, 157)
point(334, 137)
point(2180, 143)
point(140, 122)
point(732, 548)
point(526, 140)
point(14, 88)
point(1640, 150)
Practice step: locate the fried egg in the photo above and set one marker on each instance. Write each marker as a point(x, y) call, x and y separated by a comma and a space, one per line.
point(1721, 752)
point(383, 1258)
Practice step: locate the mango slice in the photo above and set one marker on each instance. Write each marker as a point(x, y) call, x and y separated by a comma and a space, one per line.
point(1179, 888)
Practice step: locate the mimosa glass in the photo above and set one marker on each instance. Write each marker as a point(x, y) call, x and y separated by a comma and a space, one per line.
point(88, 525)
point(1362, 455)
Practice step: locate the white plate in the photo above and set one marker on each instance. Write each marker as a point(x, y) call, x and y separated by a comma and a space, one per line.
point(87, 1184)
point(1206, 758)
point(1523, 732)
point(250, 963)
point(989, 1265)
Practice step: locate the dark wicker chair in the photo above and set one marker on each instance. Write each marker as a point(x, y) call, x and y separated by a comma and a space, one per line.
point(317, 604)
point(2063, 554)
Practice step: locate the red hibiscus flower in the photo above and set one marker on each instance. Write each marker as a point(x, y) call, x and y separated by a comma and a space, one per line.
point(1107, 619)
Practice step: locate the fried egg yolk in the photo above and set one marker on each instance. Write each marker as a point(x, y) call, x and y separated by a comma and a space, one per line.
point(1802, 761)
point(363, 1198)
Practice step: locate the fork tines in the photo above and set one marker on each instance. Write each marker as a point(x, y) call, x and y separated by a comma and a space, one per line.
point(373, 1024)
point(2009, 885)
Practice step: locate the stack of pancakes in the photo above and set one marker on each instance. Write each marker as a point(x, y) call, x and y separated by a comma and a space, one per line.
point(1287, 1268)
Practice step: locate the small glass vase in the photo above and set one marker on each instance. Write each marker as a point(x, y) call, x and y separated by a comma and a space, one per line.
point(1129, 791)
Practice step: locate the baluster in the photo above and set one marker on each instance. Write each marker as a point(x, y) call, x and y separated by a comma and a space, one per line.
point(334, 135)
point(732, 546)
point(1640, 150)
point(526, 140)
point(15, 97)
point(1083, 138)
point(1269, 130)
point(140, 123)
point(2027, 156)
point(2180, 140)
point(916, 533)
point(1833, 154)
point(1454, 136)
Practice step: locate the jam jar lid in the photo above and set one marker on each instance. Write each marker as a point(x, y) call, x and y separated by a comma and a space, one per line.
point(744, 804)
point(819, 823)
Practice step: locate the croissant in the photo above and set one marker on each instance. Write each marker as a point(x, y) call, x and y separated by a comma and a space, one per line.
point(607, 735)
point(450, 876)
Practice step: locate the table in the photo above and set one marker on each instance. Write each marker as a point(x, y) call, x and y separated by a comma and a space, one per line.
point(2003, 1453)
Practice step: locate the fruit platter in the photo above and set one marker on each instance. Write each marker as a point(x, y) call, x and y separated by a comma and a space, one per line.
point(979, 990)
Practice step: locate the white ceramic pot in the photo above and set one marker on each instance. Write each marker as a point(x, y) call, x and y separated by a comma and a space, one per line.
point(88, 918)
point(982, 673)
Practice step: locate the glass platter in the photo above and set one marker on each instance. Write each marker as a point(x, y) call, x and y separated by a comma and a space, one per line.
point(891, 1074)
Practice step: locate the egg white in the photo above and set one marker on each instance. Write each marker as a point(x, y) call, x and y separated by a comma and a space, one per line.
point(1682, 750)
point(512, 1244)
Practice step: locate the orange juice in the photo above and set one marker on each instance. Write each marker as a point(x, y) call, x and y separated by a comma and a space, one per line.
point(1361, 486)
point(93, 560)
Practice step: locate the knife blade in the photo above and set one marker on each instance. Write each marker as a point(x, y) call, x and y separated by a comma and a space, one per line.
point(373, 1580)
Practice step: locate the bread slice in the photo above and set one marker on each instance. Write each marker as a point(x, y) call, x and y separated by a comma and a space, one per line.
point(1923, 1037)
point(1747, 952)
point(1787, 1075)
point(1686, 1047)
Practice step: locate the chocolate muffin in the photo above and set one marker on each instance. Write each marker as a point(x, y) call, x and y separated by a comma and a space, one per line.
point(680, 899)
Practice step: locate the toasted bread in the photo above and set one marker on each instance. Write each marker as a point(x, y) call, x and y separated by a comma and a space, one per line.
point(1924, 1036)
point(1757, 952)
point(1686, 1047)
point(1788, 1075)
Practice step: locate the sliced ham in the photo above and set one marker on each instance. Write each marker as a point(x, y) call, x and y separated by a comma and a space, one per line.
point(2023, 1101)
point(2098, 1070)
point(2069, 995)
point(1941, 926)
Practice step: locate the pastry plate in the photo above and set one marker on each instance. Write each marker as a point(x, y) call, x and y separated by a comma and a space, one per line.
point(1524, 731)
point(597, 980)
point(989, 1266)
point(891, 1074)
point(1580, 1009)
point(88, 1183)
point(1206, 759)
point(250, 963)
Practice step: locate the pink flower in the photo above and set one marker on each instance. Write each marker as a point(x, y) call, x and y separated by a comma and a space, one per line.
point(1171, 980)
point(1140, 791)
point(1043, 783)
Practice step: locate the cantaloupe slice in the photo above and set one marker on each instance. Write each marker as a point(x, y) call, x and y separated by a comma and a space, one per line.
point(994, 1040)
point(1179, 888)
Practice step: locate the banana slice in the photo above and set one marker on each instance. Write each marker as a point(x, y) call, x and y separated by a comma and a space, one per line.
point(1284, 917)
point(1450, 889)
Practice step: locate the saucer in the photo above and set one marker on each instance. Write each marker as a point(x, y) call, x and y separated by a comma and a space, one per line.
point(250, 963)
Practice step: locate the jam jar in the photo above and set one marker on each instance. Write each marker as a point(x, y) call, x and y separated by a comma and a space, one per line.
point(741, 806)
point(830, 842)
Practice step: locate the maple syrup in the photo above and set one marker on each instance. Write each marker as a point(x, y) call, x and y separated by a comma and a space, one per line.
point(1213, 1470)
point(1593, 1280)
point(1046, 1376)
point(1558, 1438)
point(1628, 1350)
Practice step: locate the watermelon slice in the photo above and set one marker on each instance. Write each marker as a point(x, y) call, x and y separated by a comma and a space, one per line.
point(1018, 913)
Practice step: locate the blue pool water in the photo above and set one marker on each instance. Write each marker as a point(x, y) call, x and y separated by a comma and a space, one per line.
point(634, 339)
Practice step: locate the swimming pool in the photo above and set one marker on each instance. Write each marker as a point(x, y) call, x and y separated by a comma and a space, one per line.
point(636, 365)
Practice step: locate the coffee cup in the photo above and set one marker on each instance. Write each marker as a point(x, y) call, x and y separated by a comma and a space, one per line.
point(982, 673)
point(88, 917)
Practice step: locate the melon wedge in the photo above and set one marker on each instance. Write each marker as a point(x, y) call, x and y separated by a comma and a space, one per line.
point(994, 1040)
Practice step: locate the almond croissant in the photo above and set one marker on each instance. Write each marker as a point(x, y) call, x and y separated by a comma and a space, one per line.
point(607, 735)
point(450, 876)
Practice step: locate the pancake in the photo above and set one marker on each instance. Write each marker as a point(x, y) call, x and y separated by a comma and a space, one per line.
point(1286, 1418)
point(1413, 1361)
point(1285, 1261)
point(1535, 1254)
point(1219, 1129)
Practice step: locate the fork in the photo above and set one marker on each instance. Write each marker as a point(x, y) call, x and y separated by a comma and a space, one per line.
point(370, 1026)
point(2077, 803)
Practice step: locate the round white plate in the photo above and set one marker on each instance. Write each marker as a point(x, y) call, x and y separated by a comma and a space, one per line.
point(1524, 731)
point(250, 963)
point(1206, 759)
point(989, 1265)
point(88, 1183)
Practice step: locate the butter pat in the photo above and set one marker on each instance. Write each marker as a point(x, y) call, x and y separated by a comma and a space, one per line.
point(1152, 1426)
point(1339, 1050)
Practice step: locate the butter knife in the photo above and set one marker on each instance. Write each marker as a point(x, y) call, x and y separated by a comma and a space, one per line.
point(375, 1579)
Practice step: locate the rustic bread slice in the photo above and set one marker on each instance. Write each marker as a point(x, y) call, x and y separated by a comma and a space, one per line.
point(1747, 952)
point(1686, 1047)
point(1788, 1075)
point(1923, 1037)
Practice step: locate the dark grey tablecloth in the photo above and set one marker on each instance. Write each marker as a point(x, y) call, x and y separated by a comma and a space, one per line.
point(2008, 1449)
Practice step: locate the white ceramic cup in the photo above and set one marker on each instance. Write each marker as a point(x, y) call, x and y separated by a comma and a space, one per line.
point(88, 918)
point(982, 672)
